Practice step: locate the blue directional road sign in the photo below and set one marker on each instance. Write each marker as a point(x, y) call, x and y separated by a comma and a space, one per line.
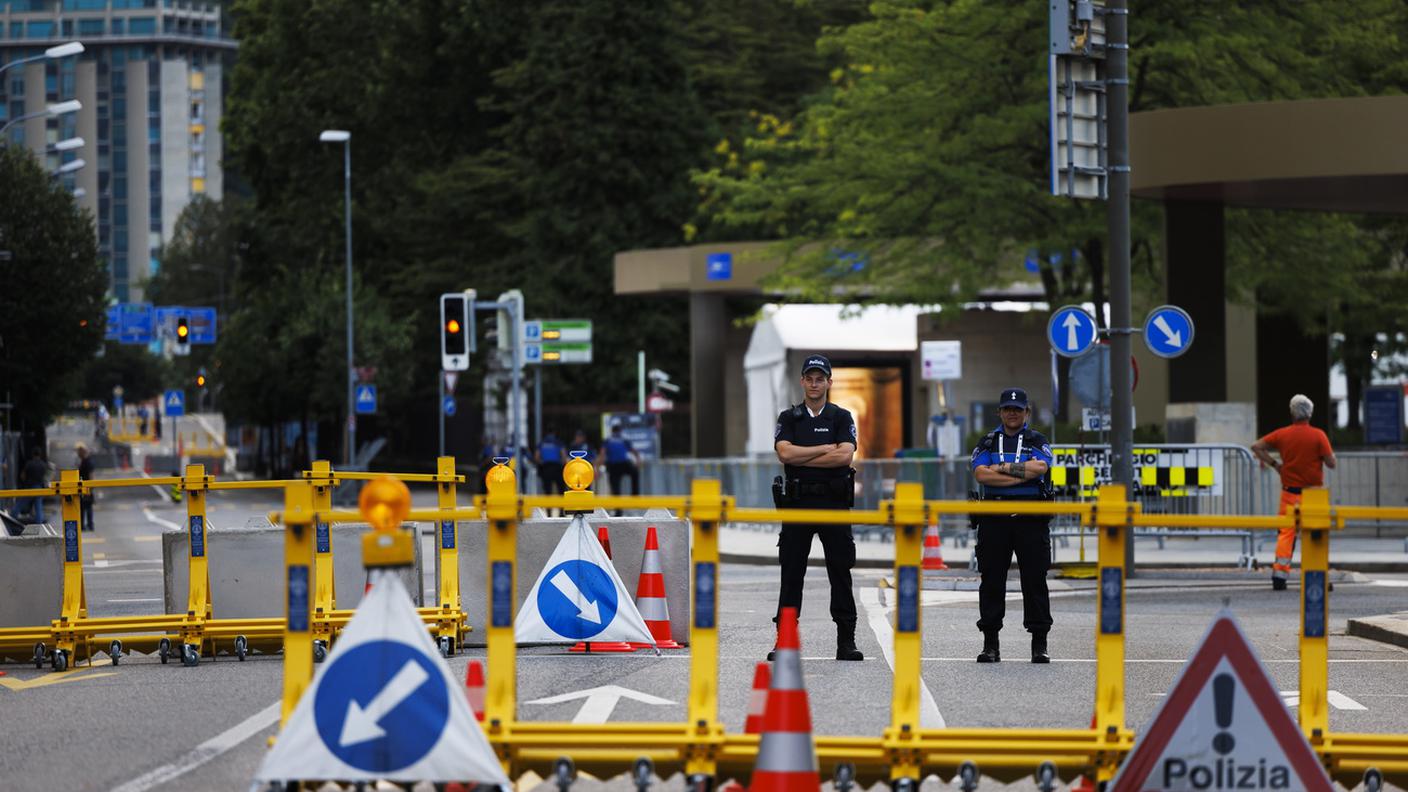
point(448, 405)
point(135, 323)
point(570, 583)
point(114, 325)
point(382, 706)
point(173, 403)
point(719, 266)
point(202, 325)
point(1168, 331)
point(1071, 331)
point(366, 399)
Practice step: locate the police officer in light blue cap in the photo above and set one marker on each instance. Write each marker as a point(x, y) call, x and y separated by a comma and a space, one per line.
point(1011, 463)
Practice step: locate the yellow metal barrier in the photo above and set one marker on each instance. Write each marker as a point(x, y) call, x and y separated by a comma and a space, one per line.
point(196, 633)
point(700, 745)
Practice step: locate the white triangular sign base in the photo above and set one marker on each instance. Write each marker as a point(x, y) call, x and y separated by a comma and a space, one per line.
point(580, 596)
point(1223, 727)
point(392, 709)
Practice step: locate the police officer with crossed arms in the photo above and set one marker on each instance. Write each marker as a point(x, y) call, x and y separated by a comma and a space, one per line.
point(815, 442)
point(1010, 464)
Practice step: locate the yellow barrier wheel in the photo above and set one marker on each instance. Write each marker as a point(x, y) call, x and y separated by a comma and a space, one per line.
point(320, 651)
point(241, 647)
point(446, 647)
point(115, 651)
point(60, 662)
point(39, 654)
point(163, 649)
point(190, 655)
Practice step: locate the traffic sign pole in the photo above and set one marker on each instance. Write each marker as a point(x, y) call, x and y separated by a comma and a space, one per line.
point(1121, 376)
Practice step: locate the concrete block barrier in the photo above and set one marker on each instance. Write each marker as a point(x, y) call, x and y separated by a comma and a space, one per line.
point(539, 536)
point(31, 579)
point(247, 570)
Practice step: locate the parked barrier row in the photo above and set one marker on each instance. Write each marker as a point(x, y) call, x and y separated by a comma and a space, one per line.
point(76, 635)
point(700, 745)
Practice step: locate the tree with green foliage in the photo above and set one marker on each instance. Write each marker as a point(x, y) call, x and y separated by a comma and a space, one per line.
point(139, 373)
point(51, 290)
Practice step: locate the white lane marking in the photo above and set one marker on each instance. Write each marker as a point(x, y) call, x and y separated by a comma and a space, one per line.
point(1335, 699)
point(879, 618)
point(100, 563)
point(165, 495)
point(167, 524)
point(1392, 583)
point(207, 750)
point(137, 599)
point(600, 702)
point(1182, 661)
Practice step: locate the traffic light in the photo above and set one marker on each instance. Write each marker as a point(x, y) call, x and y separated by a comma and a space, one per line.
point(200, 378)
point(183, 332)
point(454, 331)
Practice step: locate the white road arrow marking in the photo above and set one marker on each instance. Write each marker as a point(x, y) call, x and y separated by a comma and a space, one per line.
point(601, 701)
point(1174, 339)
point(1071, 323)
point(587, 611)
point(1334, 698)
point(361, 724)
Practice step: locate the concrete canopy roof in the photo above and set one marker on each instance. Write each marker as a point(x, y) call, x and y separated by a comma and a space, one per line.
point(1345, 155)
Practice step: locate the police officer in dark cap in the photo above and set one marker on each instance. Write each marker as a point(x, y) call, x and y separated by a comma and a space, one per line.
point(815, 441)
point(1011, 463)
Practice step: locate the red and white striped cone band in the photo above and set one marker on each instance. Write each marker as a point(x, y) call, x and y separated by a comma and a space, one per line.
point(474, 688)
point(786, 753)
point(933, 549)
point(650, 596)
point(758, 699)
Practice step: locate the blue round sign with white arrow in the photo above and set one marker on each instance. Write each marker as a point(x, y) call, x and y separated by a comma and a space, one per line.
point(577, 599)
point(1071, 331)
point(381, 706)
point(1168, 331)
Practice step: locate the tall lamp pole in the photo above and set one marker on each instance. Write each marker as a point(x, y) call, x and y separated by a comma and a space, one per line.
point(345, 138)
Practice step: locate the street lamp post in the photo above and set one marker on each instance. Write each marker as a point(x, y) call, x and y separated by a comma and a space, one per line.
point(56, 109)
point(56, 51)
point(345, 138)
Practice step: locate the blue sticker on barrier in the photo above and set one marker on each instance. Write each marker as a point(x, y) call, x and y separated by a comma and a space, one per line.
point(447, 534)
point(70, 540)
point(706, 594)
point(907, 614)
point(1314, 594)
point(298, 598)
point(324, 538)
point(197, 536)
point(502, 596)
point(1111, 601)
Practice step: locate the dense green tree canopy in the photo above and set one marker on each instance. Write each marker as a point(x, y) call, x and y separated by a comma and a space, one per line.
point(51, 290)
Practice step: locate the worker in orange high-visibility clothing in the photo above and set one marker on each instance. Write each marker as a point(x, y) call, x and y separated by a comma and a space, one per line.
point(1303, 450)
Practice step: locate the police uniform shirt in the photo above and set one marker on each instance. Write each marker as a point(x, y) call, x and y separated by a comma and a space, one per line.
point(797, 426)
point(998, 446)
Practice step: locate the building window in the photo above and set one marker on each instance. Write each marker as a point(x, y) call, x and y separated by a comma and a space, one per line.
point(66, 26)
point(40, 29)
point(118, 26)
point(142, 26)
point(90, 27)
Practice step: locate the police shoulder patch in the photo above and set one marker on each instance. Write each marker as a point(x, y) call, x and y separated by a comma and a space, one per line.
point(853, 431)
point(777, 430)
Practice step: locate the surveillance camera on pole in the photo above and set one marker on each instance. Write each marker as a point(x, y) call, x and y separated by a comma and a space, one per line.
point(661, 381)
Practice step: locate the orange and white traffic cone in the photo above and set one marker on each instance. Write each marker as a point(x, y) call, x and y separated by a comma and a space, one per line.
point(603, 536)
point(933, 548)
point(650, 596)
point(474, 688)
point(758, 699)
point(786, 753)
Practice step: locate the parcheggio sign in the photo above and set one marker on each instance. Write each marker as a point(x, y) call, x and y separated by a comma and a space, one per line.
point(1077, 471)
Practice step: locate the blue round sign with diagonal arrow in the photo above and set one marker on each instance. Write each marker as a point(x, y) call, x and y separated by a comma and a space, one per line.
point(577, 599)
point(1168, 331)
point(381, 706)
point(1071, 331)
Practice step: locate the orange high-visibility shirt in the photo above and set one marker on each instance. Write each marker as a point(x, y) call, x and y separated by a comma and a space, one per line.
point(1302, 447)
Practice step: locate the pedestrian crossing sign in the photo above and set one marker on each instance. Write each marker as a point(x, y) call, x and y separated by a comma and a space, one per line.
point(174, 403)
point(366, 399)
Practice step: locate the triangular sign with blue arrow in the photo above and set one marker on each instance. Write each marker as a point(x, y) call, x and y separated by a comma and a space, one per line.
point(383, 706)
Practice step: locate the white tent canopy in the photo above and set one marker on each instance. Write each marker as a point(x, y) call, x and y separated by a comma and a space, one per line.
point(829, 329)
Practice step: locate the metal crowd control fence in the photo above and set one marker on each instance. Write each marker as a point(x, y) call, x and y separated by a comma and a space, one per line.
point(196, 633)
point(1175, 479)
point(701, 747)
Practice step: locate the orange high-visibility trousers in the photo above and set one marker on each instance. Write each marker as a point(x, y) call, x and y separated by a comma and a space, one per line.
point(1285, 538)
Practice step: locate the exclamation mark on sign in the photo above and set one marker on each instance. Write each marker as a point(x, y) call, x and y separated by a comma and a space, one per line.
point(1224, 688)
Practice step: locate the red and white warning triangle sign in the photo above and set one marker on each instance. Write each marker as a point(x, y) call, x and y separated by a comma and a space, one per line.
point(1223, 727)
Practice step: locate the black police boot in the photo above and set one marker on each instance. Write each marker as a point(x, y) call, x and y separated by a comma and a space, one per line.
point(1278, 584)
point(846, 642)
point(1039, 654)
point(990, 653)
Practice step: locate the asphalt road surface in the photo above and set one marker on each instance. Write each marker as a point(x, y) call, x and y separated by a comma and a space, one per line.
point(147, 726)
